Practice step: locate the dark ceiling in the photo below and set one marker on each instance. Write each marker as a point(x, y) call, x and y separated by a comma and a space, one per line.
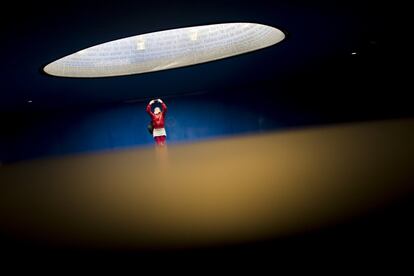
point(321, 35)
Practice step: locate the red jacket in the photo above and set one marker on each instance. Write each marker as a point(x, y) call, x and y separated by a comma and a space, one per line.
point(158, 120)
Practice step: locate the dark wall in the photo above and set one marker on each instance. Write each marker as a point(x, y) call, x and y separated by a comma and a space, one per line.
point(350, 89)
point(189, 118)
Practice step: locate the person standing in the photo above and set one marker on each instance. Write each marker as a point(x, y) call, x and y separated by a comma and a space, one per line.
point(158, 121)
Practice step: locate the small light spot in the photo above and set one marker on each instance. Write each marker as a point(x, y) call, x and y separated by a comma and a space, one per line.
point(353, 53)
point(29, 101)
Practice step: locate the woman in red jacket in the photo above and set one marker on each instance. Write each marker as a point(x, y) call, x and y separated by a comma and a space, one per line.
point(158, 121)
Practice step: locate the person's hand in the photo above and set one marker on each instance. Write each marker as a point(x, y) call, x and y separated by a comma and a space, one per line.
point(152, 102)
point(159, 100)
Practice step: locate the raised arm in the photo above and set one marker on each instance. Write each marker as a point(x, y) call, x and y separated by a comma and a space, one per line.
point(149, 108)
point(163, 105)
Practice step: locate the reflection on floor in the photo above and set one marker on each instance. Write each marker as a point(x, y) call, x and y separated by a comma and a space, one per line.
point(224, 191)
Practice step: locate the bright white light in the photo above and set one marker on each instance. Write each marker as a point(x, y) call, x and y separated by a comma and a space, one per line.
point(140, 43)
point(193, 35)
point(165, 50)
point(353, 53)
point(29, 101)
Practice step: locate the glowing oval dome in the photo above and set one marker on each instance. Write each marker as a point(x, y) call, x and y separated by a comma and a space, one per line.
point(165, 50)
